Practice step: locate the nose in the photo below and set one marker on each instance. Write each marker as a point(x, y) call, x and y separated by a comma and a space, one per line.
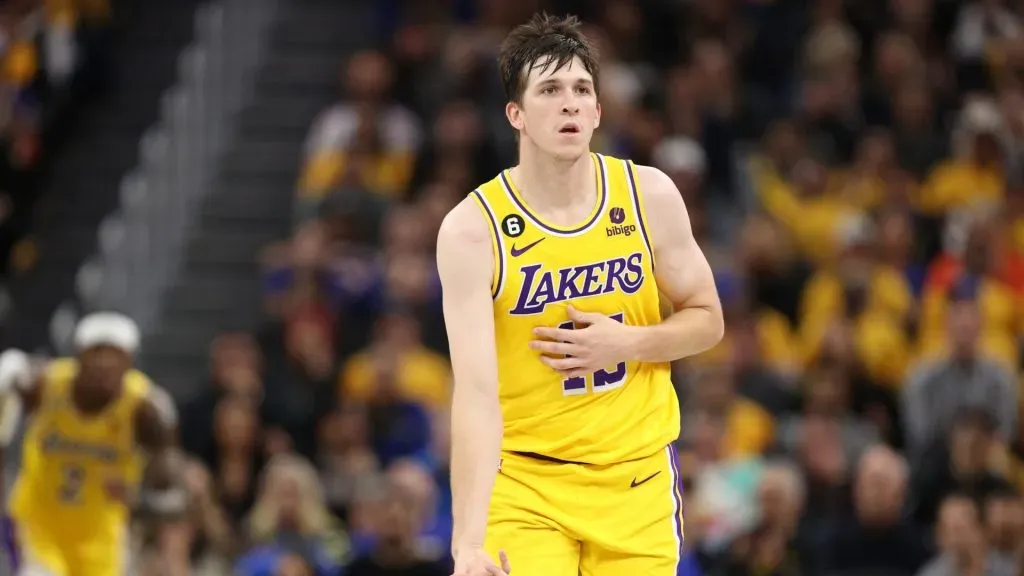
point(571, 106)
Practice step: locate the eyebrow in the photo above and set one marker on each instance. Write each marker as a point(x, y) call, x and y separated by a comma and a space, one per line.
point(549, 81)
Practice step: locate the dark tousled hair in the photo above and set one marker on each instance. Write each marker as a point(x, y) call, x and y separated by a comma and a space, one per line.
point(543, 42)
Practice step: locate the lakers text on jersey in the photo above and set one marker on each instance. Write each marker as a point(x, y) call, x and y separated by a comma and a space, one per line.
point(605, 264)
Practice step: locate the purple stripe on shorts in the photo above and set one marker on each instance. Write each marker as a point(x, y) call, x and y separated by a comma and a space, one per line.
point(677, 492)
point(11, 543)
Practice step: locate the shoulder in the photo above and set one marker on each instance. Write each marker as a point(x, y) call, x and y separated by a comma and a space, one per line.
point(923, 373)
point(653, 182)
point(464, 243)
point(664, 209)
point(157, 405)
point(996, 371)
point(659, 193)
point(61, 368)
point(465, 223)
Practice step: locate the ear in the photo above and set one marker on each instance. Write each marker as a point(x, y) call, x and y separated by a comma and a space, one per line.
point(514, 114)
point(597, 120)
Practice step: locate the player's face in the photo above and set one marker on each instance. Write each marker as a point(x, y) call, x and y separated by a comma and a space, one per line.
point(103, 367)
point(559, 110)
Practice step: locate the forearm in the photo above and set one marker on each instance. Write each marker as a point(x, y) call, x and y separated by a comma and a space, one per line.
point(163, 493)
point(476, 451)
point(685, 333)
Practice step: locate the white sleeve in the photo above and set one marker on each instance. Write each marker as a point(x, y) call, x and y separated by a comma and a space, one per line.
point(15, 371)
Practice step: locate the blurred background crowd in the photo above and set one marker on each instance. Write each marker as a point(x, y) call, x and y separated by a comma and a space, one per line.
point(854, 171)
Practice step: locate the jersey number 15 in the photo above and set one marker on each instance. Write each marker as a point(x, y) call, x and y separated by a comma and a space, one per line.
point(602, 380)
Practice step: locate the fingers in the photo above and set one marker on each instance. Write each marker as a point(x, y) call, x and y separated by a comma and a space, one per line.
point(493, 570)
point(556, 334)
point(556, 348)
point(583, 317)
point(503, 557)
point(564, 365)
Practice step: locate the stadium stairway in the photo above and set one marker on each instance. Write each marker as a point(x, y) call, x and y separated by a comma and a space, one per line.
point(249, 206)
point(83, 185)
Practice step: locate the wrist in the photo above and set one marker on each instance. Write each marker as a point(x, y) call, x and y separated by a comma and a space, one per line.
point(634, 341)
point(465, 546)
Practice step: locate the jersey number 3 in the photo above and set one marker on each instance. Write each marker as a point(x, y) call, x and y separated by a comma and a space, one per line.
point(603, 380)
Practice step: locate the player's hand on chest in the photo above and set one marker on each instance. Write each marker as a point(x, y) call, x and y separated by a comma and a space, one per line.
point(588, 342)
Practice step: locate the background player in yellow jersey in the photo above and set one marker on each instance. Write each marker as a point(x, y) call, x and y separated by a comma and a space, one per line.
point(97, 428)
point(563, 409)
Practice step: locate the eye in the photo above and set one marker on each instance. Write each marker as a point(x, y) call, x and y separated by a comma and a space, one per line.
point(549, 90)
point(583, 89)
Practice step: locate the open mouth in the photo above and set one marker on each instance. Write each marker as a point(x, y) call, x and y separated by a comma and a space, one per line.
point(569, 129)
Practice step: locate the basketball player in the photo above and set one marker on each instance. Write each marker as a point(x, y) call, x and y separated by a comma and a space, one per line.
point(81, 461)
point(563, 410)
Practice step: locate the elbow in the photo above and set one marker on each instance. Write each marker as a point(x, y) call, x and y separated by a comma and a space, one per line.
point(716, 326)
point(710, 330)
point(476, 407)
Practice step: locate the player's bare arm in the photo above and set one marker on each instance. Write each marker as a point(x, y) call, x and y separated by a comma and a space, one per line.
point(683, 276)
point(465, 263)
point(156, 423)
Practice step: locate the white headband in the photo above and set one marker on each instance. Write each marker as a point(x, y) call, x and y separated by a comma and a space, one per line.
point(107, 329)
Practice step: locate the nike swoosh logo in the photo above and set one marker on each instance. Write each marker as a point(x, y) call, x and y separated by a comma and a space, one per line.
point(517, 252)
point(636, 483)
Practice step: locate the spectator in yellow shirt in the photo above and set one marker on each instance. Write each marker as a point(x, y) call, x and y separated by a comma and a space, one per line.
point(364, 137)
point(804, 207)
point(749, 428)
point(977, 176)
point(972, 280)
point(875, 297)
point(863, 185)
point(411, 372)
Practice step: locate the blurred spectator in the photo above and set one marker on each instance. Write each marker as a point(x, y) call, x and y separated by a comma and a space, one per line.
point(396, 549)
point(236, 436)
point(977, 173)
point(235, 366)
point(346, 456)
point(959, 465)
point(919, 144)
point(749, 428)
point(937, 391)
point(366, 141)
point(419, 375)
point(962, 543)
point(771, 546)
point(1004, 523)
point(826, 406)
point(974, 268)
point(289, 519)
point(876, 540)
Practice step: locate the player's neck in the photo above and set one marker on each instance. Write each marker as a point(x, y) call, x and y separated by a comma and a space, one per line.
point(547, 182)
point(89, 404)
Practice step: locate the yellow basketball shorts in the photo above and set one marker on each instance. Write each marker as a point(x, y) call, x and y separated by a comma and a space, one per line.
point(41, 552)
point(563, 519)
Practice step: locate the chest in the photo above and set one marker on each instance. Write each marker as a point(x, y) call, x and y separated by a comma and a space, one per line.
point(61, 435)
point(562, 273)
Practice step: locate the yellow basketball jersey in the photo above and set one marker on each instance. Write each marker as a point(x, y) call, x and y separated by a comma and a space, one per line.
point(69, 459)
point(605, 264)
